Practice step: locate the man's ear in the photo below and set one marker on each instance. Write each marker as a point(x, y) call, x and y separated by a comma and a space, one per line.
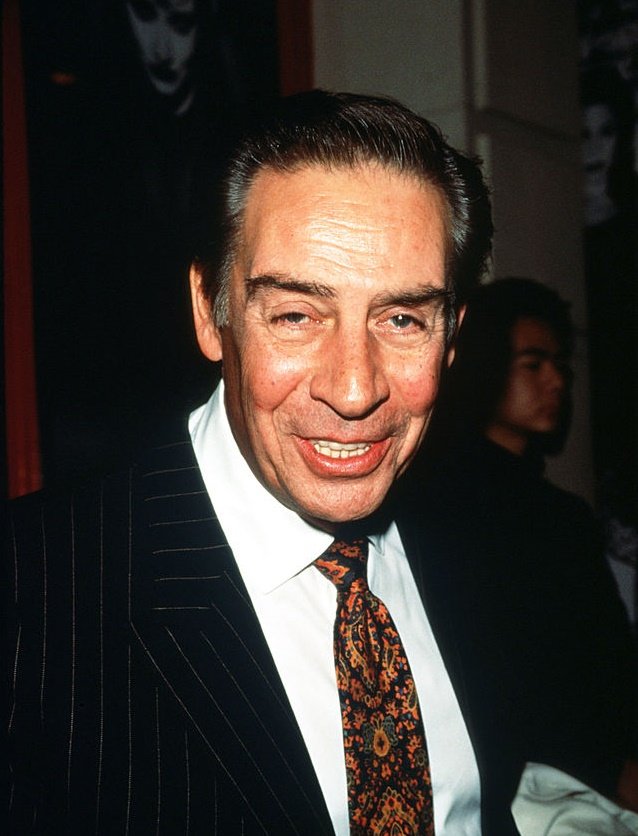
point(451, 352)
point(208, 336)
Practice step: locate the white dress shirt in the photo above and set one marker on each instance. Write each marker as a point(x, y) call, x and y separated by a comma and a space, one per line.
point(296, 606)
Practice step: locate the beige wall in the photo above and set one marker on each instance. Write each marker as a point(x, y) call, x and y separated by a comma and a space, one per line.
point(500, 78)
point(399, 48)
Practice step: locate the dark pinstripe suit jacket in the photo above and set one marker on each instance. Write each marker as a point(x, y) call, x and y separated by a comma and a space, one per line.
point(144, 697)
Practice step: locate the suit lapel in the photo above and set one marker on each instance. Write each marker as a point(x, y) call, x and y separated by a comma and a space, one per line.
point(195, 625)
point(443, 581)
point(434, 582)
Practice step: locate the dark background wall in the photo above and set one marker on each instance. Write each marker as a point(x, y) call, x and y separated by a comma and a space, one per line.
point(120, 184)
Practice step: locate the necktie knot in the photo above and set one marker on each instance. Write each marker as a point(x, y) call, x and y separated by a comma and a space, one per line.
point(344, 561)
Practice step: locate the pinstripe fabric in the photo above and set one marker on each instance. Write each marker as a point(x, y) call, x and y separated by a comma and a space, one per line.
point(145, 699)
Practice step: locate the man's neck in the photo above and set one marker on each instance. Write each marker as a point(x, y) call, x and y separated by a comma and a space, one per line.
point(512, 440)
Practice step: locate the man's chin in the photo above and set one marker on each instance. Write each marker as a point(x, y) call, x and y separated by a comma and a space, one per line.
point(373, 522)
point(330, 517)
point(328, 504)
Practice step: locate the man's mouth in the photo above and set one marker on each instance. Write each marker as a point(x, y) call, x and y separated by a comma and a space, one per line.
point(337, 450)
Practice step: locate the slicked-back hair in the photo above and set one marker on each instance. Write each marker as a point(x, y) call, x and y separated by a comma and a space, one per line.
point(345, 130)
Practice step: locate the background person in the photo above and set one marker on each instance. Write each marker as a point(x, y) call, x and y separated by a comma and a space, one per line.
point(527, 555)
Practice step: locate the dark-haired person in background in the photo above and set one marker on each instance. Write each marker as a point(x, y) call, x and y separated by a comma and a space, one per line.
point(527, 554)
point(511, 378)
point(172, 668)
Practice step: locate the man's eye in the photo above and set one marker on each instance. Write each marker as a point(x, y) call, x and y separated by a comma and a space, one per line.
point(291, 318)
point(403, 321)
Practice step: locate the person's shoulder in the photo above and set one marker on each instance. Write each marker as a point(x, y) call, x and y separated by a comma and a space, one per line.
point(568, 500)
point(169, 450)
point(571, 514)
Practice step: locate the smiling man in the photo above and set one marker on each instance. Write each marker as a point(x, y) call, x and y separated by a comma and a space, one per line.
point(337, 332)
point(284, 655)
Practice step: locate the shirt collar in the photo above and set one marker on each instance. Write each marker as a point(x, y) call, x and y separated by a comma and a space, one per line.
point(270, 542)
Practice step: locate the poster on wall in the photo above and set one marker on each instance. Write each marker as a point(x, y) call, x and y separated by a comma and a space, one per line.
point(130, 106)
point(609, 102)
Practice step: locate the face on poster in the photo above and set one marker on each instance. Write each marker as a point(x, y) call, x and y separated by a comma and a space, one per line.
point(166, 32)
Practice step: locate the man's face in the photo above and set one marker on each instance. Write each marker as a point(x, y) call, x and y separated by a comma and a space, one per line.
point(332, 357)
point(535, 386)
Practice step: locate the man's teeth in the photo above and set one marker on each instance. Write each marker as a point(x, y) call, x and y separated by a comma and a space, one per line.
point(335, 450)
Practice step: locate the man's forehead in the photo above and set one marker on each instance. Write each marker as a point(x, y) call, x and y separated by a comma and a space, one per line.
point(297, 196)
point(328, 231)
point(534, 335)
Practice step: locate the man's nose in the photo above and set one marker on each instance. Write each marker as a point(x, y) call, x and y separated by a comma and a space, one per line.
point(351, 375)
point(555, 377)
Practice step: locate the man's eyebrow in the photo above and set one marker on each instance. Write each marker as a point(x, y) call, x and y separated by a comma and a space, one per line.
point(281, 281)
point(542, 353)
point(531, 349)
point(408, 297)
point(411, 298)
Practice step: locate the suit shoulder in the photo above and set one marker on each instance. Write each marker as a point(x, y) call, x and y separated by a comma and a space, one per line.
point(170, 454)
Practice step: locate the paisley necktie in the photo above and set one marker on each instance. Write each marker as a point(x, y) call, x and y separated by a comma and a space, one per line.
point(389, 788)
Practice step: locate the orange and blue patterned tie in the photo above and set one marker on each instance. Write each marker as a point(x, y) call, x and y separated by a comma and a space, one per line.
point(389, 788)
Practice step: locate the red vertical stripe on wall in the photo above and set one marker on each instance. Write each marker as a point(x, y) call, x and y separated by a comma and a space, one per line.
point(23, 446)
point(296, 52)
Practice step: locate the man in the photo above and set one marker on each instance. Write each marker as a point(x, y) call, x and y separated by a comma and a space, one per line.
point(511, 379)
point(174, 668)
point(528, 554)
